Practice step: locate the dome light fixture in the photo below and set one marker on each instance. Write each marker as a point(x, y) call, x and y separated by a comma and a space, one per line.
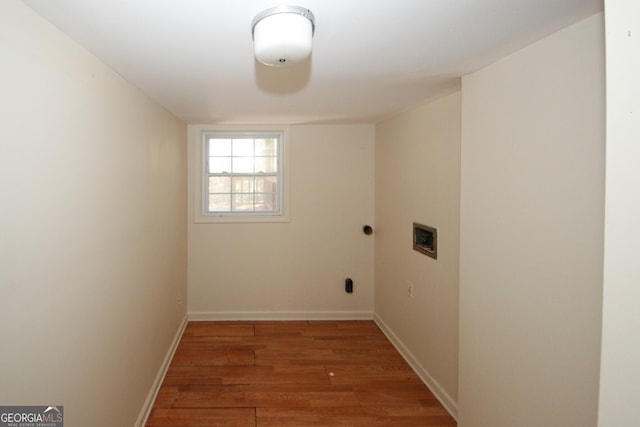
point(282, 35)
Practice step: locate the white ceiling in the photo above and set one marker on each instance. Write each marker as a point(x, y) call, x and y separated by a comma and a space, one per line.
point(371, 58)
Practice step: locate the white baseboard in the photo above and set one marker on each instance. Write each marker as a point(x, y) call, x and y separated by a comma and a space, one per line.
point(280, 315)
point(449, 404)
point(155, 387)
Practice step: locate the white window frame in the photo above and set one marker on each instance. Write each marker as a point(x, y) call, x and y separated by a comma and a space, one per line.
point(197, 136)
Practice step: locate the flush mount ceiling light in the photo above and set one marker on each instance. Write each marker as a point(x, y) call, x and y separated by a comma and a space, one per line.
point(282, 35)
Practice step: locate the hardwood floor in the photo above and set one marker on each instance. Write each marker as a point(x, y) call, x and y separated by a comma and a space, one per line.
point(291, 374)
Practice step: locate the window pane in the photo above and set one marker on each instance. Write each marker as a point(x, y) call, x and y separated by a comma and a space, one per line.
point(219, 202)
point(242, 173)
point(243, 147)
point(266, 202)
point(266, 184)
point(243, 165)
point(243, 202)
point(219, 147)
point(243, 184)
point(219, 184)
point(267, 147)
point(219, 164)
point(266, 164)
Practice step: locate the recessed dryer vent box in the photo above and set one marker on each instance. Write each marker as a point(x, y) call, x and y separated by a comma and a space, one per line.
point(425, 240)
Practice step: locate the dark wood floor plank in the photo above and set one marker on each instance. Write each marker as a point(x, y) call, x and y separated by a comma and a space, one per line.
point(199, 357)
point(211, 375)
point(286, 343)
point(234, 343)
point(219, 329)
point(166, 396)
point(180, 375)
point(266, 396)
point(367, 357)
point(299, 356)
point(302, 373)
point(280, 328)
point(372, 374)
point(267, 417)
point(227, 417)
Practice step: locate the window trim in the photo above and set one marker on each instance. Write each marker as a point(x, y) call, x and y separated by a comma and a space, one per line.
point(198, 138)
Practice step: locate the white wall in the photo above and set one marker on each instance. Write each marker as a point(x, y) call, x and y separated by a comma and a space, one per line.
point(295, 269)
point(418, 179)
point(532, 234)
point(620, 371)
point(92, 226)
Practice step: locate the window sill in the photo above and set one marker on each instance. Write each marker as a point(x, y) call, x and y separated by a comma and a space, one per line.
point(230, 219)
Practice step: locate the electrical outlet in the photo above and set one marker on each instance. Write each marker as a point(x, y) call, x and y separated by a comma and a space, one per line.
point(410, 289)
point(179, 300)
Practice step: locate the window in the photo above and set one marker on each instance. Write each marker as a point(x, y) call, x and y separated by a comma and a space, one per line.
point(240, 174)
